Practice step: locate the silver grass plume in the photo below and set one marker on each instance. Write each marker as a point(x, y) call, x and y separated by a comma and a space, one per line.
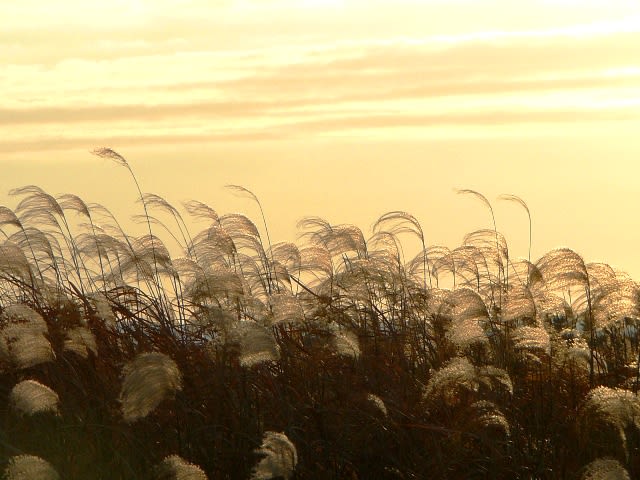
point(534, 340)
point(214, 320)
point(201, 210)
point(104, 312)
point(614, 301)
point(573, 353)
point(378, 403)
point(285, 308)
point(148, 380)
point(397, 222)
point(487, 419)
point(487, 241)
point(8, 217)
point(467, 311)
point(337, 239)
point(472, 260)
point(345, 342)
point(467, 332)
point(607, 415)
point(255, 343)
point(441, 259)
point(81, 341)
point(174, 467)
point(29, 467)
point(14, 262)
point(237, 224)
point(22, 337)
point(518, 307)
point(387, 248)
point(362, 276)
point(605, 469)
point(287, 254)
point(37, 206)
point(214, 285)
point(316, 258)
point(601, 274)
point(280, 457)
point(30, 397)
point(514, 198)
point(106, 152)
point(500, 249)
point(524, 272)
point(459, 376)
point(562, 268)
point(549, 305)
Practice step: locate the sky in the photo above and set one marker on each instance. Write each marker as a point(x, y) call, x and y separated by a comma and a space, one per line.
point(343, 109)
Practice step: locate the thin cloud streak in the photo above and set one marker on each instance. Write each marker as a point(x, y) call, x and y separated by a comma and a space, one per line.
point(284, 107)
point(139, 82)
point(329, 125)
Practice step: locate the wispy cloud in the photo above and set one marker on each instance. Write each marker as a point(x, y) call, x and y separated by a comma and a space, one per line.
point(153, 77)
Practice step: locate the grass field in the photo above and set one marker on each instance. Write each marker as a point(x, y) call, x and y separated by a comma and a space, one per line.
point(333, 358)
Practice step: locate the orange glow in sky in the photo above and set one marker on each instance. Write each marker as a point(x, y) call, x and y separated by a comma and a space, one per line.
point(343, 109)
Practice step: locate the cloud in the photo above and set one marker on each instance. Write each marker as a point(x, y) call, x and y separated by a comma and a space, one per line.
point(292, 130)
point(141, 88)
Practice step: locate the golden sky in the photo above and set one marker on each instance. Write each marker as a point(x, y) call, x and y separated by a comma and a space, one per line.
point(344, 109)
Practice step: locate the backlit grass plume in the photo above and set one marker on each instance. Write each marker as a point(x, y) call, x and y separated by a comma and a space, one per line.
point(23, 343)
point(280, 457)
point(459, 379)
point(482, 364)
point(608, 416)
point(605, 469)
point(255, 343)
point(30, 397)
point(175, 467)
point(148, 379)
point(29, 467)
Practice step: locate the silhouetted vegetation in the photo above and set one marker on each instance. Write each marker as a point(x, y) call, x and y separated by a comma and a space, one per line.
point(333, 359)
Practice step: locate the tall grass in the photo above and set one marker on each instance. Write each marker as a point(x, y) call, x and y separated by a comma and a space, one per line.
point(334, 358)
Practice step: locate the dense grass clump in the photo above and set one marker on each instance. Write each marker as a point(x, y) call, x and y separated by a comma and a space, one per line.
point(335, 358)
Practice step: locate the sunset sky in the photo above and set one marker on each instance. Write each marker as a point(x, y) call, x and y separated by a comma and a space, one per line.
point(341, 109)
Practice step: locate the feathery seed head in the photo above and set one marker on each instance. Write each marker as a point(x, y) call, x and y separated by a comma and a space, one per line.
point(104, 311)
point(615, 301)
point(13, 261)
point(106, 152)
point(456, 375)
point(487, 418)
point(280, 457)
point(605, 469)
point(532, 339)
point(459, 378)
point(30, 397)
point(175, 467)
point(607, 414)
point(148, 380)
point(562, 269)
point(29, 467)
point(256, 343)
point(345, 342)
point(80, 340)
point(378, 403)
point(467, 332)
point(518, 307)
point(286, 308)
point(22, 340)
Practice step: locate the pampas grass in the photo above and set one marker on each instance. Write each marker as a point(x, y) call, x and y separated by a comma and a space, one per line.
point(148, 380)
point(29, 467)
point(279, 457)
point(122, 356)
point(175, 467)
point(30, 397)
